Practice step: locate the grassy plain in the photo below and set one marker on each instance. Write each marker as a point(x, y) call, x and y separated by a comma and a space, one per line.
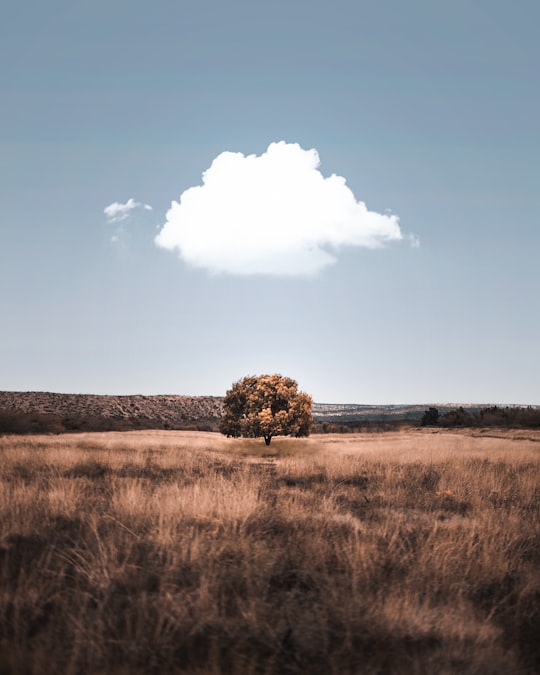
point(185, 552)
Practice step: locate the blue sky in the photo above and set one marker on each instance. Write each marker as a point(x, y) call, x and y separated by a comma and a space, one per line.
point(428, 110)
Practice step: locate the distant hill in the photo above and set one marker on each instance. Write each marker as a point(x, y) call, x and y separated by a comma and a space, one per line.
point(45, 411)
point(74, 412)
point(170, 408)
point(332, 412)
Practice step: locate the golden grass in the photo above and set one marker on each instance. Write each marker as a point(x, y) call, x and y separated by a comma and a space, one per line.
point(185, 552)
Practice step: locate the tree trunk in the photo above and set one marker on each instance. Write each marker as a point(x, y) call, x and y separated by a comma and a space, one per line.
point(267, 440)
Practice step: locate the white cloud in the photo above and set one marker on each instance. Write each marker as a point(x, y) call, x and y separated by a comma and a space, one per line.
point(271, 214)
point(414, 240)
point(116, 212)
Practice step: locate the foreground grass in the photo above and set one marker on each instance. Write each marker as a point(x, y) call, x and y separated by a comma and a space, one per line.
point(162, 552)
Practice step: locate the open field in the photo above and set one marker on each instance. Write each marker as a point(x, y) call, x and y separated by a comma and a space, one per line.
point(185, 552)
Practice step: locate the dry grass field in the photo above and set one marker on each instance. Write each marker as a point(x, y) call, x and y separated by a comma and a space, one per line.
point(184, 552)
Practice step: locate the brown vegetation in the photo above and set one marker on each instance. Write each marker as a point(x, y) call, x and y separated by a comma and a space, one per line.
point(178, 552)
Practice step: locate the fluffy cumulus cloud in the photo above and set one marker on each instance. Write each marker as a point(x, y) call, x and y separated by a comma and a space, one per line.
point(116, 212)
point(271, 214)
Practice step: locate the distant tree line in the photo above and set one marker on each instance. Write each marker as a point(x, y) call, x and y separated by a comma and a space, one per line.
point(360, 426)
point(494, 416)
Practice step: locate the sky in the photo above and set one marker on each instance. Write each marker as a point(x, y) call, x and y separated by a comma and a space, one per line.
point(345, 193)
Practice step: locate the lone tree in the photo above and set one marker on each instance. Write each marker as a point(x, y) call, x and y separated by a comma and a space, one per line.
point(267, 406)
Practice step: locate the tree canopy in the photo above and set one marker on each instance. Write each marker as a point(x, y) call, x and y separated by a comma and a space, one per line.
point(266, 406)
